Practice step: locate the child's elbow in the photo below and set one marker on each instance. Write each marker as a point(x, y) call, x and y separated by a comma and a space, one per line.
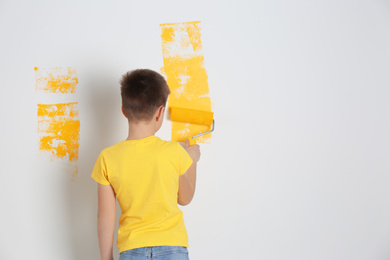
point(184, 202)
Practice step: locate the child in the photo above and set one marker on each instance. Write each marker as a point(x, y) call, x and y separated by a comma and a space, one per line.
point(147, 175)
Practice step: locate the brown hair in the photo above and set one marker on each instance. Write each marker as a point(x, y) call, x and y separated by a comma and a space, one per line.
point(143, 91)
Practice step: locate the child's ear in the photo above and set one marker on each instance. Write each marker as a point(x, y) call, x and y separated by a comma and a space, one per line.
point(123, 111)
point(160, 113)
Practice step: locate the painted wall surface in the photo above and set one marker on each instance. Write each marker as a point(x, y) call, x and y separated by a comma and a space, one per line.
point(297, 168)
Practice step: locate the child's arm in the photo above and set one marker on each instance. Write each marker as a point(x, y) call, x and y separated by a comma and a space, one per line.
point(106, 220)
point(187, 181)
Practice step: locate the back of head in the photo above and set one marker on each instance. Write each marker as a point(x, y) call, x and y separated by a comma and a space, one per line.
point(143, 91)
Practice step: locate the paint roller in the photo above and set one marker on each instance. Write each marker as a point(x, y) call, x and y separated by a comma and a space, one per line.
point(192, 116)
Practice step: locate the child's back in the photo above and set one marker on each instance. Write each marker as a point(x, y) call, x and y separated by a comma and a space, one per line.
point(143, 172)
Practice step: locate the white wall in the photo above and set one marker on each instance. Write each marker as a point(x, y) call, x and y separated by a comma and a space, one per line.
point(298, 167)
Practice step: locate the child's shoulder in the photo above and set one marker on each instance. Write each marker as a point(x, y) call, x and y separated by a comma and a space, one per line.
point(156, 141)
point(112, 147)
point(112, 150)
point(169, 144)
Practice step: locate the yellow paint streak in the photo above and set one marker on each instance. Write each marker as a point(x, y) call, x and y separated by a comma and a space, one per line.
point(59, 130)
point(194, 36)
point(55, 80)
point(186, 75)
point(168, 34)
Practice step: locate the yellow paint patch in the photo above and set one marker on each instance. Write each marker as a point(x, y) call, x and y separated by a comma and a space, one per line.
point(59, 130)
point(55, 80)
point(186, 75)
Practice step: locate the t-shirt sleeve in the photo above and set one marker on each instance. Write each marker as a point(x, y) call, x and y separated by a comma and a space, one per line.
point(99, 173)
point(185, 160)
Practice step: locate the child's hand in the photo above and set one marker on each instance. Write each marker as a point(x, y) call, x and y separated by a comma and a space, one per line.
point(193, 151)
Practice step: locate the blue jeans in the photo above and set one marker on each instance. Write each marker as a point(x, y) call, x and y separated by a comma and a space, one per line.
point(155, 253)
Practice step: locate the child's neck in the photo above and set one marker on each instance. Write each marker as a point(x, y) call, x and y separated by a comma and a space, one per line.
point(140, 130)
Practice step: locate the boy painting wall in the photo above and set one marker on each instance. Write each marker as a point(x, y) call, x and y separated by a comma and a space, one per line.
point(148, 176)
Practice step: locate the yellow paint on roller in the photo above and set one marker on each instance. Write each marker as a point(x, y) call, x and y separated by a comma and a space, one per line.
point(59, 130)
point(186, 75)
point(55, 80)
point(184, 115)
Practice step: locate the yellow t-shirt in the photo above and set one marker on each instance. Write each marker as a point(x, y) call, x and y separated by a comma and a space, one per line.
point(144, 174)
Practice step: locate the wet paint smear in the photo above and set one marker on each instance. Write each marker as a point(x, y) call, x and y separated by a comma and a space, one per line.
point(59, 130)
point(186, 75)
point(56, 80)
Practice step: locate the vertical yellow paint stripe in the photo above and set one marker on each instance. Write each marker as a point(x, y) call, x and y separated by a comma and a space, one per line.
point(55, 80)
point(186, 75)
point(59, 130)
